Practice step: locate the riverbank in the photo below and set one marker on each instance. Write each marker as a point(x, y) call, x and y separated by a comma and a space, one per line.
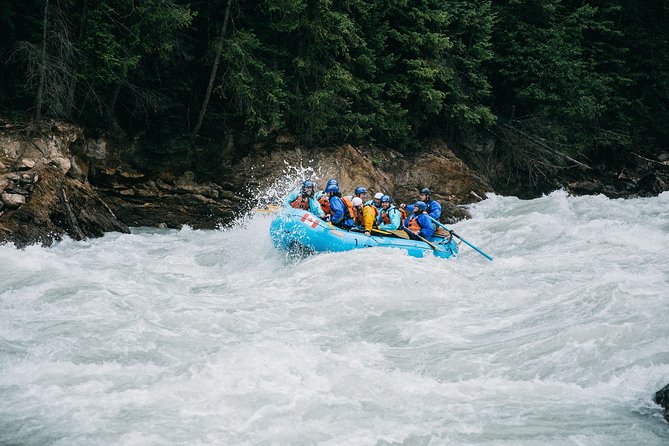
point(56, 180)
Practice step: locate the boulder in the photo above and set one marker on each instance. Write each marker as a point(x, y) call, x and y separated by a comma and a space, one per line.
point(650, 185)
point(78, 169)
point(662, 398)
point(25, 164)
point(59, 205)
point(13, 201)
point(585, 187)
point(62, 163)
point(96, 148)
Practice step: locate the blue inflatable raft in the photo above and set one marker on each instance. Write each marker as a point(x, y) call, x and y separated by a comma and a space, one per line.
point(296, 228)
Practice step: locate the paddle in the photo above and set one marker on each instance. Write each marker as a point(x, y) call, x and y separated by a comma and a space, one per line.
point(432, 245)
point(395, 232)
point(270, 209)
point(465, 241)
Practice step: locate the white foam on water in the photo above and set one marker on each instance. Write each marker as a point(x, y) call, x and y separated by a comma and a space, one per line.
point(164, 337)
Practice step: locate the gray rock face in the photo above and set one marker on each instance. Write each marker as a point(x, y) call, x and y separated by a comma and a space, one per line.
point(13, 201)
point(86, 189)
point(662, 398)
point(96, 148)
point(57, 206)
point(78, 169)
point(26, 164)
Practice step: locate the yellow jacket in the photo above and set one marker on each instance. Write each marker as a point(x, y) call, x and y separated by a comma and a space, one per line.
point(369, 213)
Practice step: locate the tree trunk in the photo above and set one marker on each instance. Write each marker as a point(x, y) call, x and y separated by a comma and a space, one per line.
point(110, 116)
point(212, 77)
point(42, 69)
point(72, 87)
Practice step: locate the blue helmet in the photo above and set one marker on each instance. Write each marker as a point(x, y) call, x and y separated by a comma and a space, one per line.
point(332, 188)
point(332, 181)
point(385, 199)
point(307, 183)
point(425, 191)
point(420, 205)
point(360, 190)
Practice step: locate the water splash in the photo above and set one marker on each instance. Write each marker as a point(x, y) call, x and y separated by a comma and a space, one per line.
point(212, 337)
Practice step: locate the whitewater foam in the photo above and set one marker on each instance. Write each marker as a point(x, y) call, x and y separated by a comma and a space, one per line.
point(212, 337)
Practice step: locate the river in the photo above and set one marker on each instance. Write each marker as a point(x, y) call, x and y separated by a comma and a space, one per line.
point(188, 337)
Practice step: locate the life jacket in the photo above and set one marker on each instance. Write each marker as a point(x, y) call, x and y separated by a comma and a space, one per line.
point(385, 217)
point(325, 204)
point(301, 202)
point(403, 214)
point(349, 212)
point(413, 224)
point(366, 216)
point(358, 217)
point(374, 208)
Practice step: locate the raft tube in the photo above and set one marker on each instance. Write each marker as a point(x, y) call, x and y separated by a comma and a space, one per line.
point(297, 228)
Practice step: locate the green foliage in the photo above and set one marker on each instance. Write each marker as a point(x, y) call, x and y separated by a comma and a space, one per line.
point(543, 75)
point(255, 91)
point(118, 35)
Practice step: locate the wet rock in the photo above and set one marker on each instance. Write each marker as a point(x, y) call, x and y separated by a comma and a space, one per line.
point(663, 157)
point(650, 185)
point(62, 163)
point(20, 191)
point(130, 174)
point(25, 179)
point(25, 164)
point(2, 166)
point(59, 206)
point(585, 187)
point(96, 148)
point(662, 398)
point(13, 201)
point(78, 169)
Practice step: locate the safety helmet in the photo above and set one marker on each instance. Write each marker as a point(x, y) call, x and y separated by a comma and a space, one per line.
point(307, 183)
point(332, 188)
point(425, 191)
point(385, 199)
point(360, 190)
point(332, 181)
point(357, 201)
point(421, 205)
point(378, 195)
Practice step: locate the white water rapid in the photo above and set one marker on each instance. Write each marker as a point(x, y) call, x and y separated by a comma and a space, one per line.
point(214, 338)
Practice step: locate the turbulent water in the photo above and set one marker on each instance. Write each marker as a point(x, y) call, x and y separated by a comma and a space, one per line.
point(214, 338)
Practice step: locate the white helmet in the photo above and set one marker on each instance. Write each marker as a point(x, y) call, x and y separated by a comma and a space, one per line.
point(378, 195)
point(357, 201)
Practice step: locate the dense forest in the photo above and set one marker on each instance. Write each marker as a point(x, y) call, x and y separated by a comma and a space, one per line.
point(549, 82)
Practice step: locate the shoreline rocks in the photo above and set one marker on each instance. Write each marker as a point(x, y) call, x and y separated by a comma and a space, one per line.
point(58, 182)
point(662, 398)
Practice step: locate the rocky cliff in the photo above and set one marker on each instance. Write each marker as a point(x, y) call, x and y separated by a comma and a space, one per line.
point(54, 181)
